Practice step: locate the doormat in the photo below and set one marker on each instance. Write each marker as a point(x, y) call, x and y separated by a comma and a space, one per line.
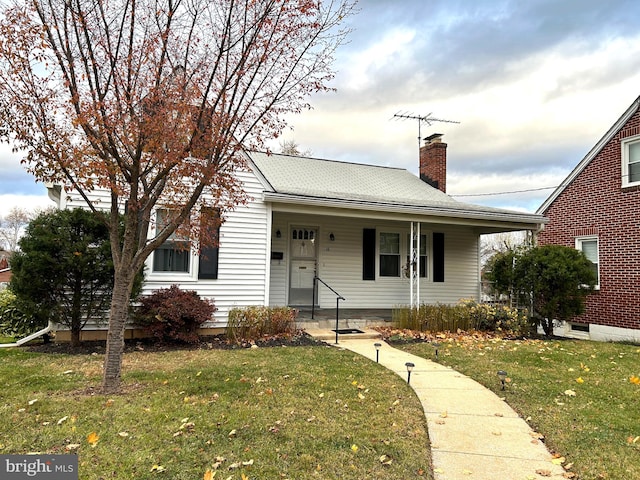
point(343, 331)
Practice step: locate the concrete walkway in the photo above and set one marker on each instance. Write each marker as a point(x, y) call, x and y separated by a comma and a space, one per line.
point(474, 434)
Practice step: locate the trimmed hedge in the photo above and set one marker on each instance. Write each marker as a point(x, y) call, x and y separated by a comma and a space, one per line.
point(172, 314)
point(255, 322)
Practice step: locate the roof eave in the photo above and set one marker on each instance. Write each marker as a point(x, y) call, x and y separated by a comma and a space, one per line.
point(532, 220)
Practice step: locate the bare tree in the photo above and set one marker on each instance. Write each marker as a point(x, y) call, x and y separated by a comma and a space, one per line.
point(291, 147)
point(12, 226)
point(153, 100)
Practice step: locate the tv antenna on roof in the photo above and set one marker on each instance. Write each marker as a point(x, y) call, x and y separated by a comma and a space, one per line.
point(428, 119)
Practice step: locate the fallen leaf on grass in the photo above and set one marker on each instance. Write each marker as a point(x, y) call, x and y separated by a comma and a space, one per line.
point(72, 447)
point(158, 469)
point(208, 475)
point(579, 380)
point(93, 438)
point(558, 460)
point(31, 402)
point(570, 393)
point(635, 380)
point(631, 440)
point(354, 448)
point(385, 460)
point(123, 434)
point(232, 433)
point(62, 420)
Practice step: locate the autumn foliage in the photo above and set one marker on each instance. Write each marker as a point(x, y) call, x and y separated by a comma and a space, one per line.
point(153, 102)
point(172, 314)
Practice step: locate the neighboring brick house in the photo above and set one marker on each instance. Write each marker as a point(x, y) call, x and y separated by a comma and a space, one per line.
point(5, 270)
point(597, 209)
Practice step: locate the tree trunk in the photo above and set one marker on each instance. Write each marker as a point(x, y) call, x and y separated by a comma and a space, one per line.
point(115, 337)
point(75, 336)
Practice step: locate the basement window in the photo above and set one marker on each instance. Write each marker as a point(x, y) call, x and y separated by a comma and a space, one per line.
point(579, 327)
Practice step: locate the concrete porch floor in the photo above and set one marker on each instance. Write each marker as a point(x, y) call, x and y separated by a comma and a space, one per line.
point(323, 324)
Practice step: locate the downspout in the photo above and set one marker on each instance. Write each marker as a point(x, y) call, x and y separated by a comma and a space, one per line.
point(33, 336)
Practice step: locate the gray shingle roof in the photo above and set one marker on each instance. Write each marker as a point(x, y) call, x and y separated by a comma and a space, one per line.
point(347, 181)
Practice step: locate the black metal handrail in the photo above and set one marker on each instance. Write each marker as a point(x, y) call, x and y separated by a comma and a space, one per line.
point(338, 298)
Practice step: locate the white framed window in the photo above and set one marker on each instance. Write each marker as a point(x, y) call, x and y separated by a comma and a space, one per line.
point(589, 246)
point(630, 148)
point(389, 254)
point(174, 255)
point(423, 255)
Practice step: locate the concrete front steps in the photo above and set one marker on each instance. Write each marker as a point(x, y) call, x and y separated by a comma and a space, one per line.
point(323, 324)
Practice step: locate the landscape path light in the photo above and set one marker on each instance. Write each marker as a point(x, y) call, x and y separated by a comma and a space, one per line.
point(409, 366)
point(436, 346)
point(377, 345)
point(503, 377)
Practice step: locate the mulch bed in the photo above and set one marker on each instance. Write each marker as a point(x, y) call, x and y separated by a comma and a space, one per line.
point(218, 342)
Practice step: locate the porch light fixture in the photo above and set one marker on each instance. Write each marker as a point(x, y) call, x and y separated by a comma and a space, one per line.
point(278, 233)
point(503, 377)
point(332, 237)
point(436, 346)
point(409, 366)
point(377, 345)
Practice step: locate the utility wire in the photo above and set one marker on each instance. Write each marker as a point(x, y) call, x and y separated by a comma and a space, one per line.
point(500, 193)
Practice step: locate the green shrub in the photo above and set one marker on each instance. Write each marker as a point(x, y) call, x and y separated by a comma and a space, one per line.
point(466, 315)
point(13, 321)
point(172, 314)
point(252, 323)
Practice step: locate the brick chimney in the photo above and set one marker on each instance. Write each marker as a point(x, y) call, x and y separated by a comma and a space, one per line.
point(433, 162)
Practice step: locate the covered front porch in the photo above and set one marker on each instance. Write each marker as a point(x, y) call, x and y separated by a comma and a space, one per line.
point(375, 262)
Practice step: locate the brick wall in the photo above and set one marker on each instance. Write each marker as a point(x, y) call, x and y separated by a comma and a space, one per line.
point(596, 204)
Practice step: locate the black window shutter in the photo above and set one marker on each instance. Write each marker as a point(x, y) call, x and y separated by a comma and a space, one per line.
point(369, 254)
point(438, 257)
point(208, 265)
point(208, 261)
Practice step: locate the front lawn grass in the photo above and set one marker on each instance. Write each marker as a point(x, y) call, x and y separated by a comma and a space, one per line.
point(266, 413)
point(584, 397)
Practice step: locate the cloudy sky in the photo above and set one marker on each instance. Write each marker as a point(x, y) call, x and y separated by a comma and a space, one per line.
point(534, 85)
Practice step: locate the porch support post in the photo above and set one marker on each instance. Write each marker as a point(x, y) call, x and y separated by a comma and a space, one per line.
point(414, 266)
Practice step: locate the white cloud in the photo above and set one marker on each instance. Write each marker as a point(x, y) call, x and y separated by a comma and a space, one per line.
point(26, 202)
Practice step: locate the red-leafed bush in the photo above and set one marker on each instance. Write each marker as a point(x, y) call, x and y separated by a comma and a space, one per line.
point(172, 314)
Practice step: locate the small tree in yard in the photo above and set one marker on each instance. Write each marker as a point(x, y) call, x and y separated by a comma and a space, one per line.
point(64, 270)
point(154, 101)
point(555, 279)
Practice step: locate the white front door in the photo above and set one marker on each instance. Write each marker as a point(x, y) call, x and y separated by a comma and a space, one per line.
point(303, 245)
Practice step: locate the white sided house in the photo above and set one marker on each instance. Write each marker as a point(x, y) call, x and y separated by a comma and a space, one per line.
point(378, 236)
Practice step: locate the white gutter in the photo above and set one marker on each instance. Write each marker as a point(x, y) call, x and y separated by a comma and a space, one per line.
point(33, 336)
point(439, 211)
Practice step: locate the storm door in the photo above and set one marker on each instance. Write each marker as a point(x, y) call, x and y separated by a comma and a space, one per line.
point(303, 245)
